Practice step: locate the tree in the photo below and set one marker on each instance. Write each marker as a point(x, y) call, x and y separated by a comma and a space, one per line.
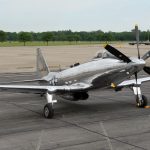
point(47, 36)
point(98, 35)
point(76, 37)
point(24, 37)
point(90, 38)
point(3, 36)
point(12, 36)
point(70, 38)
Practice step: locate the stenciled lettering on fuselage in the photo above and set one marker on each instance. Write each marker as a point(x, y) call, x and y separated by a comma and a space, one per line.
point(54, 81)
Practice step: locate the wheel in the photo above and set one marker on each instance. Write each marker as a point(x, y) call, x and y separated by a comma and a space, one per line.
point(142, 103)
point(48, 111)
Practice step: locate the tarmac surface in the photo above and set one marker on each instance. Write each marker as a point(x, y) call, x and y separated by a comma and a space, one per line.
point(23, 59)
point(106, 121)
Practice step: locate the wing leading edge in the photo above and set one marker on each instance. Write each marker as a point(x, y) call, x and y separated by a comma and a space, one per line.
point(43, 89)
point(133, 82)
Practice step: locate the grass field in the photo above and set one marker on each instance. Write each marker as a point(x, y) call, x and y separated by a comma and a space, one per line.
point(51, 43)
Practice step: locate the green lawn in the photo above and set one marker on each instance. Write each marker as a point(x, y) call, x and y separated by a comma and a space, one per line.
point(41, 43)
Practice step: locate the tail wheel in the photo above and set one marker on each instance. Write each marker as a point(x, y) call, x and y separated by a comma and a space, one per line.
point(142, 103)
point(48, 111)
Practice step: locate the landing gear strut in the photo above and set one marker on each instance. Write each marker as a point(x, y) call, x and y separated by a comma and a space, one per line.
point(48, 108)
point(141, 100)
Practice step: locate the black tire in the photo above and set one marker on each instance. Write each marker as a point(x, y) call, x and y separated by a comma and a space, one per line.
point(143, 102)
point(48, 111)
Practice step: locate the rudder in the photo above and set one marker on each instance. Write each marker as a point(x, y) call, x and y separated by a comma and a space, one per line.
point(42, 67)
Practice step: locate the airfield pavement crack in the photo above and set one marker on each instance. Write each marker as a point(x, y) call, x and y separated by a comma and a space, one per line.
point(79, 126)
point(88, 122)
point(112, 138)
point(106, 134)
point(18, 105)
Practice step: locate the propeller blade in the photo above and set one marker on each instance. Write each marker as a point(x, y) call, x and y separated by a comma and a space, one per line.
point(136, 80)
point(137, 39)
point(136, 77)
point(117, 53)
point(146, 56)
point(147, 69)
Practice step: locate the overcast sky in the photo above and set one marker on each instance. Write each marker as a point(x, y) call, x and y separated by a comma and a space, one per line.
point(77, 15)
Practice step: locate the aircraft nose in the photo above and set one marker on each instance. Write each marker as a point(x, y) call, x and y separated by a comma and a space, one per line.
point(142, 62)
point(139, 64)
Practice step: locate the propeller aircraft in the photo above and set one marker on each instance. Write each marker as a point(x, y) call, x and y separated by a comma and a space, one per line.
point(110, 69)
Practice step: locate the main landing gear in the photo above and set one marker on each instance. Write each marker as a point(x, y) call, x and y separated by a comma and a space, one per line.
point(48, 108)
point(141, 100)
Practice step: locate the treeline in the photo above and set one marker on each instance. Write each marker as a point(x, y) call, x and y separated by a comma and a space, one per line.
point(71, 36)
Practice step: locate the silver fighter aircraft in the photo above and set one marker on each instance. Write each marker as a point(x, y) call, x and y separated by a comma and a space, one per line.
point(110, 69)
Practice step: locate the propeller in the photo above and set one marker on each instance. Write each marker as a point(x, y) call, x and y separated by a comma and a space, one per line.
point(137, 39)
point(117, 53)
point(146, 69)
point(122, 57)
point(126, 59)
point(137, 42)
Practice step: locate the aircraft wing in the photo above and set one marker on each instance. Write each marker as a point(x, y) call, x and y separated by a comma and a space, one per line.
point(38, 89)
point(24, 81)
point(133, 82)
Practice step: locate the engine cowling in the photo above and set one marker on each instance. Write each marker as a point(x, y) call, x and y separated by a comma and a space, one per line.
point(76, 96)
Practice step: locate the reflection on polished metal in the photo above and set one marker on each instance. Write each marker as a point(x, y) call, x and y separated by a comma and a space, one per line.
point(110, 69)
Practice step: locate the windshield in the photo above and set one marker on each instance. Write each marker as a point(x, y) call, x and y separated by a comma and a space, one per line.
point(104, 54)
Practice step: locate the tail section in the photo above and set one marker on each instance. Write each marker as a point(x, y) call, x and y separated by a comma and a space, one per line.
point(42, 68)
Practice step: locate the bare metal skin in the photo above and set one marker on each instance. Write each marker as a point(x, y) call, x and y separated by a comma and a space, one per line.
point(110, 69)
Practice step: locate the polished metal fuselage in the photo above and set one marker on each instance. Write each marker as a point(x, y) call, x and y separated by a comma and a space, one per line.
point(100, 73)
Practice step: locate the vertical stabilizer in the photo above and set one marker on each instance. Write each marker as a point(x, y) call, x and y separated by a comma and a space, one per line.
point(42, 68)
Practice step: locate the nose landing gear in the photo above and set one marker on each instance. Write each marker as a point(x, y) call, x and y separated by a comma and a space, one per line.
point(141, 100)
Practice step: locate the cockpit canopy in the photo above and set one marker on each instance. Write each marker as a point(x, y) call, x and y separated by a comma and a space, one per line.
point(103, 55)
